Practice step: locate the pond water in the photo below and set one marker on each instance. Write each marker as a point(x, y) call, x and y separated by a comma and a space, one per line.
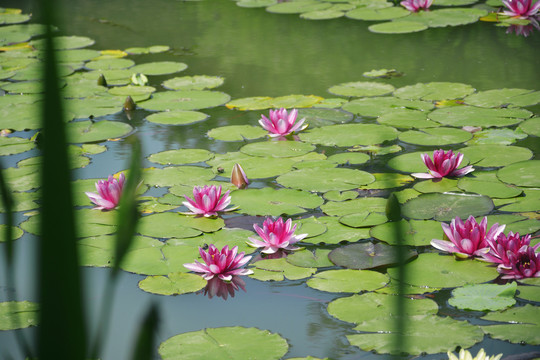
point(264, 54)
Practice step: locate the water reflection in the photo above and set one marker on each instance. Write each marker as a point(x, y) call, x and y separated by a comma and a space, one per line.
point(523, 30)
point(223, 289)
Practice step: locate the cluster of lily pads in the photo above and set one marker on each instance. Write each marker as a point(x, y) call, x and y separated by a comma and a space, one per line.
point(319, 180)
point(520, 16)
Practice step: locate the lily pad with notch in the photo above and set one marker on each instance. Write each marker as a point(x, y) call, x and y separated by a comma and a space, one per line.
point(367, 255)
point(435, 136)
point(90, 131)
point(348, 281)
point(520, 325)
point(237, 133)
point(504, 97)
point(172, 284)
point(483, 297)
point(197, 82)
point(378, 106)
point(177, 117)
point(476, 116)
point(268, 201)
point(184, 100)
point(412, 232)
point(323, 117)
point(445, 207)
point(523, 173)
point(181, 156)
point(361, 89)
point(350, 135)
point(434, 91)
point(159, 68)
point(325, 179)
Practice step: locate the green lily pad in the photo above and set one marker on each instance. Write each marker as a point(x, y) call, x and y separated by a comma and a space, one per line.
point(138, 93)
point(397, 27)
point(335, 195)
point(336, 232)
point(523, 173)
point(255, 3)
point(268, 201)
point(437, 186)
point(219, 343)
point(515, 222)
point(406, 119)
point(500, 97)
point(434, 91)
point(445, 271)
point(363, 219)
point(177, 117)
point(330, 13)
point(15, 232)
point(443, 333)
point(521, 325)
point(388, 181)
point(495, 155)
point(18, 315)
point(484, 297)
point(23, 202)
point(435, 136)
point(487, 183)
point(310, 226)
point(445, 207)
point(286, 269)
point(181, 156)
point(374, 14)
point(306, 258)
point(159, 68)
point(497, 136)
point(348, 281)
point(349, 135)
point(155, 49)
point(531, 126)
point(475, 116)
point(448, 17)
point(531, 293)
point(324, 179)
point(64, 42)
point(413, 232)
point(297, 7)
point(184, 100)
point(360, 309)
point(172, 284)
point(349, 158)
point(237, 133)
point(169, 225)
point(366, 255)
point(378, 106)
point(277, 148)
point(361, 89)
point(197, 82)
point(110, 64)
point(230, 237)
point(90, 131)
point(323, 117)
point(370, 204)
point(15, 145)
point(177, 175)
point(24, 87)
point(266, 102)
point(22, 178)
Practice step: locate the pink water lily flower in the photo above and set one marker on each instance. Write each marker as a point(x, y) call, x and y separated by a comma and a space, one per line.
point(416, 5)
point(444, 164)
point(281, 123)
point(208, 201)
point(522, 9)
point(467, 239)
point(224, 264)
point(108, 192)
point(238, 177)
point(524, 264)
point(503, 245)
point(276, 235)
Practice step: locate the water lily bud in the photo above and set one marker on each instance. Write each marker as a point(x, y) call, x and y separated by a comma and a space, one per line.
point(101, 80)
point(129, 104)
point(238, 177)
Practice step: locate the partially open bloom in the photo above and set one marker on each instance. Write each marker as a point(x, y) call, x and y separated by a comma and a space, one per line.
point(466, 355)
point(238, 177)
point(276, 235)
point(503, 245)
point(523, 264)
point(208, 201)
point(224, 264)
point(416, 5)
point(444, 164)
point(467, 239)
point(522, 9)
point(281, 123)
point(108, 192)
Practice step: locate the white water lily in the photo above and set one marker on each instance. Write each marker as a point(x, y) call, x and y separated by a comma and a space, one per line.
point(466, 355)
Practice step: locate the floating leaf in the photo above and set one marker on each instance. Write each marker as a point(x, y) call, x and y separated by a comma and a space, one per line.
point(148, 50)
point(322, 180)
point(64, 42)
point(336, 232)
point(484, 297)
point(371, 204)
point(277, 148)
point(475, 116)
point(378, 106)
point(335, 195)
point(90, 131)
point(447, 17)
point(349, 135)
point(197, 82)
point(435, 136)
point(497, 136)
point(177, 117)
point(18, 315)
point(288, 270)
point(363, 219)
point(397, 27)
point(323, 117)
point(349, 158)
point(297, 7)
point(531, 126)
point(177, 175)
point(110, 64)
point(434, 91)
point(413, 232)
point(237, 133)
point(407, 119)
point(15, 145)
point(159, 68)
point(523, 173)
point(500, 97)
point(371, 14)
point(172, 284)
point(181, 156)
point(306, 258)
point(265, 102)
point(531, 293)
point(361, 89)
point(445, 207)
point(522, 325)
point(388, 181)
point(445, 271)
point(348, 281)
point(15, 233)
point(184, 100)
point(487, 183)
point(438, 186)
point(366, 255)
point(268, 201)
point(330, 13)
point(495, 155)
point(225, 342)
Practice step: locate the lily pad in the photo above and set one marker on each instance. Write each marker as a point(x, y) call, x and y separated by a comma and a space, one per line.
point(225, 342)
point(335, 195)
point(531, 126)
point(445, 207)
point(367, 204)
point(336, 232)
point(265, 102)
point(322, 180)
point(159, 68)
point(286, 269)
point(388, 181)
point(268, 201)
point(297, 7)
point(348, 281)
point(310, 226)
point(435, 136)
point(487, 183)
point(500, 97)
point(197, 82)
point(323, 117)
point(406, 119)
point(531, 293)
point(349, 158)
point(371, 14)
point(15, 145)
point(306, 258)
point(64, 42)
point(495, 155)
point(90, 131)
point(497, 136)
point(277, 149)
point(155, 49)
point(438, 186)
point(363, 219)
point(475, 116)
point(397, 27)
point(237, 133)
point(378, 106)
point(361, 89)
point(184, 100)
point(523, 173)
point(172, 284)
point(413, 232)
point(484, 297)
point(434, 91)
point(445, 271)
point(181, 156)
point(366, 255)
point(15, 232)
point(350, 134)
point(177, 175)
point(444, 333)
point(110, 64)
point(177, 117)
point(18, 315)
point(447, 17)
point(521, 325)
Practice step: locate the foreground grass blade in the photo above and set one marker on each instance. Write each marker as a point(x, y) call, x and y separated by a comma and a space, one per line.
point(61, 332)
point(144, 347)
